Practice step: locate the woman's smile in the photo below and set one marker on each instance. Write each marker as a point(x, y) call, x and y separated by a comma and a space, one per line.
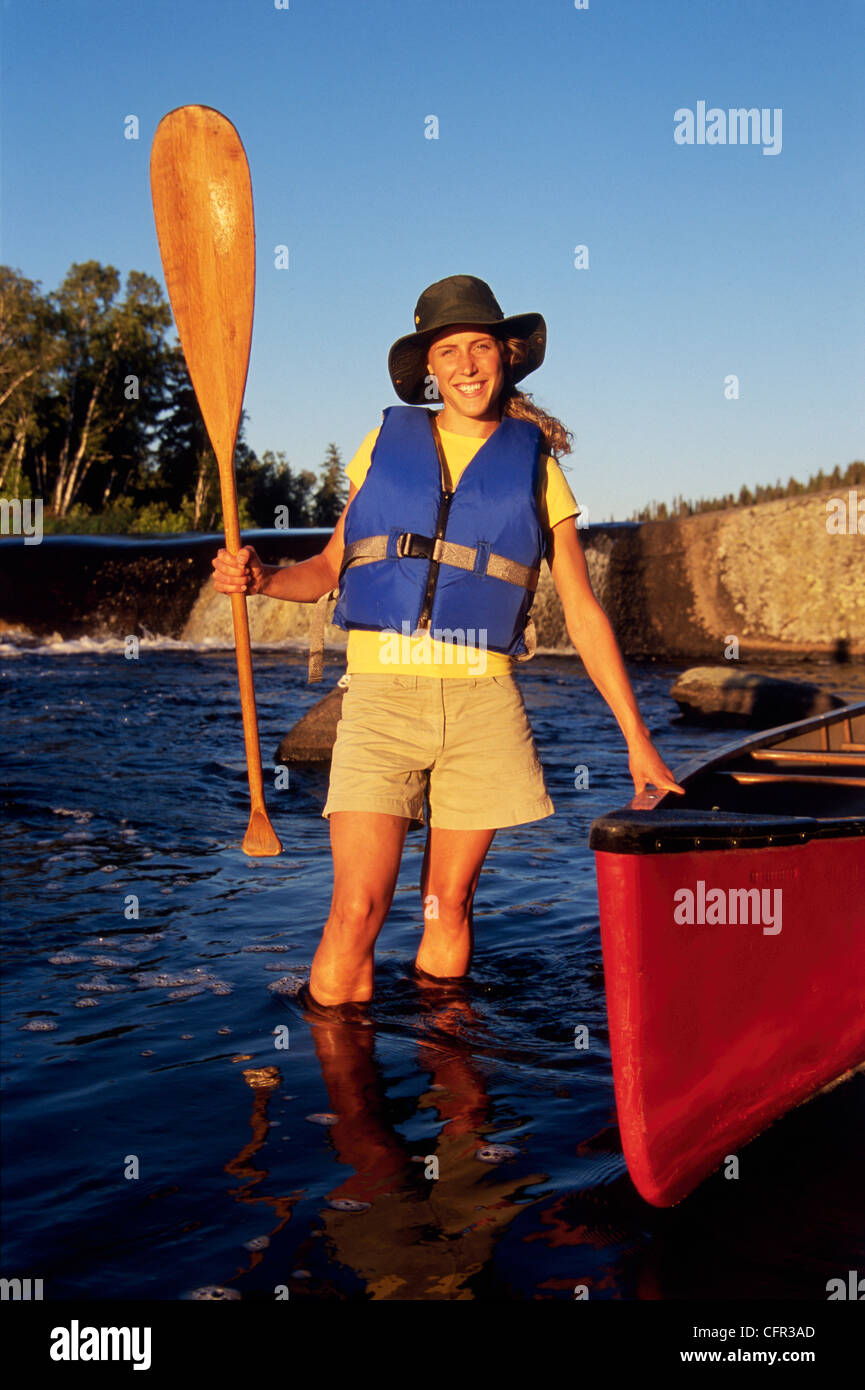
point(470, 388)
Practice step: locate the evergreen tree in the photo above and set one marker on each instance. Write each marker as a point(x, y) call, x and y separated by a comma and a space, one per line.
point(332, 492)
point(275, 494)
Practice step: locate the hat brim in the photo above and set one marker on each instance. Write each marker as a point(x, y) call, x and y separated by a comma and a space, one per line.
point(407, 359)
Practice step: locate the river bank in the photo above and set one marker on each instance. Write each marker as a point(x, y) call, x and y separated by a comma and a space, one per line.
point(771, 576)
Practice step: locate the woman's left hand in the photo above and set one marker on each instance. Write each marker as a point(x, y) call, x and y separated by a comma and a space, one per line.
point(648, 767)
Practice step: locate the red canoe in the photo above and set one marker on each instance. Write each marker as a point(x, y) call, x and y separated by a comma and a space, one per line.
point(733, 933)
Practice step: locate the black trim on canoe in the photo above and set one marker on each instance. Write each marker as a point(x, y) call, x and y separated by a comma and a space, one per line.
point(669, 825)
point(677, 832)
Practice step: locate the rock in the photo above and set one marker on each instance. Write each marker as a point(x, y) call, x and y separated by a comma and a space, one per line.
point(212, 1293)
point(747, 698)
point(312, 737)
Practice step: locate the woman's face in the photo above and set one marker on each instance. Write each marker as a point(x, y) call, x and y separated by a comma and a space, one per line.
point(467, 363)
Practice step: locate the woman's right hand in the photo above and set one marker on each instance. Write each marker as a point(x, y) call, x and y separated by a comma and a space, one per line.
point(242, 573)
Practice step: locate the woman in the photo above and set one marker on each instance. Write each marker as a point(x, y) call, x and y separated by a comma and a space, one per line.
point(436, 564)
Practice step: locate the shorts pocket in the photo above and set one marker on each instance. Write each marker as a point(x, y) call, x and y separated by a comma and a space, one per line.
point(376, 687)
point(505, 683)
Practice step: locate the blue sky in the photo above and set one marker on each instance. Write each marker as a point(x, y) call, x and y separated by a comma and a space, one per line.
point(555, 129)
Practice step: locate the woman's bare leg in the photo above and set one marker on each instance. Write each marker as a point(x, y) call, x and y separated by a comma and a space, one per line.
point(451, 869)
point(367, 848)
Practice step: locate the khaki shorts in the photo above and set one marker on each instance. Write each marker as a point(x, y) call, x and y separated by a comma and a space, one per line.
point(464, 746)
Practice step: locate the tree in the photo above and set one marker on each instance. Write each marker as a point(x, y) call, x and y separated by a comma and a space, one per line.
point(136, 391)
point(185, 476)
point(106, 387)
point(27, 353)
point(852, 476)
point(271, 484)
point(332, 492)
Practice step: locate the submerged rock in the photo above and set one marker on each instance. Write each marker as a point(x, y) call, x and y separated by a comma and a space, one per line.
point(496, 1153)
point(213, 1293)
point(287, 984)
point(312, 737)
point(747, 699)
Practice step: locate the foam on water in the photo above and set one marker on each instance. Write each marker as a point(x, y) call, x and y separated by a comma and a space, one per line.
point(22, 644)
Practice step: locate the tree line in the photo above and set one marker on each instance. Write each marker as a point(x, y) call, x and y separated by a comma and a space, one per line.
point(852, 476)
point(98, 418)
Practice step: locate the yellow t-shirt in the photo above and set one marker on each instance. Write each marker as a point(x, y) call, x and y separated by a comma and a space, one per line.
point(392, 653)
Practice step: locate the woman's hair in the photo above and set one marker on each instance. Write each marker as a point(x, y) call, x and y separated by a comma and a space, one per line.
point(520, 405)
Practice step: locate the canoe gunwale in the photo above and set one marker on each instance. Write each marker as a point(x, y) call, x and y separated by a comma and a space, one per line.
point(683, 832)
point(653, 823)
point(765, 739)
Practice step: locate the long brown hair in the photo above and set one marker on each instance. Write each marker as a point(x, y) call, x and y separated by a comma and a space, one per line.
point(519, 404)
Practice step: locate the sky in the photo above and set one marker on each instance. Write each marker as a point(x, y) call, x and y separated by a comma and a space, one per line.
point(555, 129)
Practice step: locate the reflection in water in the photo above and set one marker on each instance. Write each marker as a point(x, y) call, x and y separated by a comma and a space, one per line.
point(263, 1082)
point(436, 1221)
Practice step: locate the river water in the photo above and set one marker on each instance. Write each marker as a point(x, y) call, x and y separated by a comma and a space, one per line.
point(158, 1078)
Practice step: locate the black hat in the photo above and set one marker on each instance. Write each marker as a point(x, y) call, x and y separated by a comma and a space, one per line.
point(459, 299)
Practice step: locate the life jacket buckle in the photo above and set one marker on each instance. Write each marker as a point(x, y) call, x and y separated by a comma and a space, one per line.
point(403, 544)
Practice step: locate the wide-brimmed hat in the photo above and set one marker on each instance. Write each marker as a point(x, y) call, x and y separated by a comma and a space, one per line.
point(459, 299)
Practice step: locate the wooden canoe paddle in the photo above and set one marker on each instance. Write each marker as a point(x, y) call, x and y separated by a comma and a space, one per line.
point(202, 202)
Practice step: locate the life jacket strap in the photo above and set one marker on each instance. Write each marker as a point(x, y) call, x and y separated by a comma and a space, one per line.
point(321, 616)
point(409, 545)
point(530, 637)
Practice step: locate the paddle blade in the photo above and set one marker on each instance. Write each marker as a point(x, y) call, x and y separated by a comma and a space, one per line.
point(261, 839)
point(202, 203)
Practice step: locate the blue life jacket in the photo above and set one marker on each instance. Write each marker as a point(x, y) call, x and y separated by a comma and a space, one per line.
point(416, 554)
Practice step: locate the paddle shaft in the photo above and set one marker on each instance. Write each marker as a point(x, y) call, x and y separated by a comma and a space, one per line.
point(243, 648)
